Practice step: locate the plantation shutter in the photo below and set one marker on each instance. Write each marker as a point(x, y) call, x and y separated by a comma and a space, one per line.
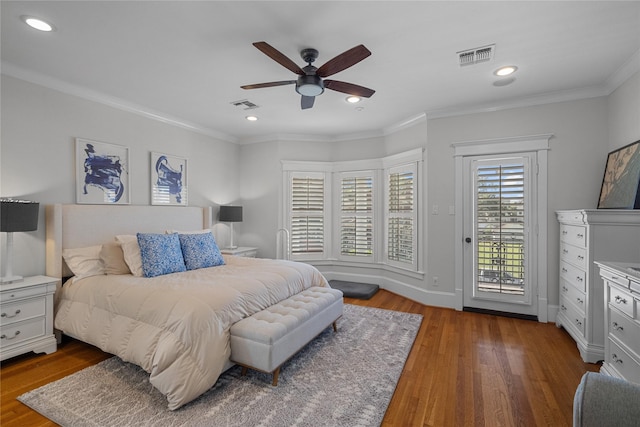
point(356, 223)
point(401, 215)
point(307, 215)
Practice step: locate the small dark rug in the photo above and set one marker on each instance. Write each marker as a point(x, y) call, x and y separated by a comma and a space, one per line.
point(355, 289)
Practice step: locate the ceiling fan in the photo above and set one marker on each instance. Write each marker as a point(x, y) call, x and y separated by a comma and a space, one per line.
point(310, 83)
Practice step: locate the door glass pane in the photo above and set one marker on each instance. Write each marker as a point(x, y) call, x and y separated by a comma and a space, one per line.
point(500, 225)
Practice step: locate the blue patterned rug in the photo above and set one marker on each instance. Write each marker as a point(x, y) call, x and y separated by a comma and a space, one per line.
point(339, 379)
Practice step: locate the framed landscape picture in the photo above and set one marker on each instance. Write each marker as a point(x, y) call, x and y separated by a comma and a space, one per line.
point(168, 180)
point(102, 173)
point(621, 181)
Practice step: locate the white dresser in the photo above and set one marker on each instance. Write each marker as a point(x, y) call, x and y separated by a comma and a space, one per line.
point(587, 236)
point(622, 320)
point(26, 318)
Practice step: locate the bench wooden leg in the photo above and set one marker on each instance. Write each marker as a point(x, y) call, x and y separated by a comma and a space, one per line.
point(244, 371)
point(276, 374)
point(335, 326)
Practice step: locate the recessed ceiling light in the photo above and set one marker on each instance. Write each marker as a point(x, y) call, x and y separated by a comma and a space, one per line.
point(353, 99)
point(37, 23)
point(251, 118)
point(505, 71)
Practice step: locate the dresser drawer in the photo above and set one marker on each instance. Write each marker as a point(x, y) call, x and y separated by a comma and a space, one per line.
point(16, 311)
point(622, 301)
point(612, 277)
point(572, 294)
point(574, 234)
point(17, 332)
point(625, 330)
point(573, 275)
point(573, 254)
point(26, 292)
point(623, 362)
point(572, 313)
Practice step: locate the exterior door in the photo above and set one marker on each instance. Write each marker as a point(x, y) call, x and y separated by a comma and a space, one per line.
point(499, 244)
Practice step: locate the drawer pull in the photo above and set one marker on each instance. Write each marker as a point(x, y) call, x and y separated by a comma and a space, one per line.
point(565, 232)
point(4, 337)
point(616, 359)
point(620, 300)
point(564, 270)
point(579, 300)
point(580, 236)
point(578, 322)
point(580, 257)
point(579, 278)
point(10, 316)
point(617, 327)
point(563, 308)
point(614, 277)
point(564, 251)
point(564, 288)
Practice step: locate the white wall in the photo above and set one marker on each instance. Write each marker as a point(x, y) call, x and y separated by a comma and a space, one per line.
point(39, 126)
point(624, 113)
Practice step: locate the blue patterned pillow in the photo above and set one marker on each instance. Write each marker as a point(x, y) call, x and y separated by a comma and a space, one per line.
point(160, 253)
point(200, 251)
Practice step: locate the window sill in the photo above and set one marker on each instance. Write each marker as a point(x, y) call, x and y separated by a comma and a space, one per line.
point(369, 265)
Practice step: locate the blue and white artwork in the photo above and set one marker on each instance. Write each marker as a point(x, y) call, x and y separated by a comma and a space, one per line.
point(102, 173)
point(168, 180)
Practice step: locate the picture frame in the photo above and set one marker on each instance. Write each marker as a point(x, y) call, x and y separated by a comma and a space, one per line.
point(621, 181)
point(102, 173)
point(168, 180)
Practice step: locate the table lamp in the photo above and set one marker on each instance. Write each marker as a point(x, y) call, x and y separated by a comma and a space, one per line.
point(231, 214)
point(16, 215)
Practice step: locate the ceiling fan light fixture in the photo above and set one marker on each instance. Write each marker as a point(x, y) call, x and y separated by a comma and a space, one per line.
point(37, 23)
point(252, 118)
point(352, 99)
point(309, 85)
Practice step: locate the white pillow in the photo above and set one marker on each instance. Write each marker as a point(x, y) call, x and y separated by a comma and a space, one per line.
point(84, 262)
point(131, 251)
point(113, 259)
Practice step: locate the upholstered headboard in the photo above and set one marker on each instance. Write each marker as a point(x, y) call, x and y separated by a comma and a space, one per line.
point(76, 226)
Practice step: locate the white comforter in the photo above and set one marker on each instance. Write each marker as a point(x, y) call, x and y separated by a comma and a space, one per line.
point(176, 327)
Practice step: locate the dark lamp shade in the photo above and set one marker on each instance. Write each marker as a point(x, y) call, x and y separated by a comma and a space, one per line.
point(231, 213)
point(18, 215)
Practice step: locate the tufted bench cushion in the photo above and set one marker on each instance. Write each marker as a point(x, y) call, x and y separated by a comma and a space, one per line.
point(267, 339)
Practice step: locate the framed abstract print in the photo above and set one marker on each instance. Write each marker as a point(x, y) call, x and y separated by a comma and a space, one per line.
point(621, 182)
point(102, 173)
point(168, 180)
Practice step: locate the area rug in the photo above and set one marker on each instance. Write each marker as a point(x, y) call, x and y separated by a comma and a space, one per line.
point(339, 379)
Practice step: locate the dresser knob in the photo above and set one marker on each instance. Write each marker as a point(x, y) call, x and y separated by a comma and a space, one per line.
point(578, 322)
point(580, 257)
point(580, 235)
point(9, 317)
point(579, 279)
point(4, 337)
point(617, 327)
point(579, 300)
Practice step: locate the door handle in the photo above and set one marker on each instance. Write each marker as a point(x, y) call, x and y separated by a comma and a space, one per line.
point(468, 239)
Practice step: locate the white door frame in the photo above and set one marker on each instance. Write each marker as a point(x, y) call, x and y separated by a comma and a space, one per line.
point(520, 144)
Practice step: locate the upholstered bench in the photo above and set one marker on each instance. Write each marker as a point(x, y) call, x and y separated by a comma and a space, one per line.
point(267, 339)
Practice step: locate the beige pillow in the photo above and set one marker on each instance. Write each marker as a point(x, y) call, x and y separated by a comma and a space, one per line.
point(84, 262)
point(113, 259)
point(131, 251)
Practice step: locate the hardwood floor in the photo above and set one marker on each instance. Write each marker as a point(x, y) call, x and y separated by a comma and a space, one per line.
point(465, 369)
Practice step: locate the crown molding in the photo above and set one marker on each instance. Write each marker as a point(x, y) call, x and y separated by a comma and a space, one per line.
point(120, 104)
point(623, 73)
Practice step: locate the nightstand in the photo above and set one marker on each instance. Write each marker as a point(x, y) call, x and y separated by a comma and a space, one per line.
point(26, 316)
point(241, 251)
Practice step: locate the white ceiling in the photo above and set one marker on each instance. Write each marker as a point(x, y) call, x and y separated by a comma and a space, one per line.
point(185, 61)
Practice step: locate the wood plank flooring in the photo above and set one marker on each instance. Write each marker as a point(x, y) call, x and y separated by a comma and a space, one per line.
point(465, 369)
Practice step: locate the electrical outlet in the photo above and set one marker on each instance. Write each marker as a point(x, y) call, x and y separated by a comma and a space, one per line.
point(435, 209)
point(435, 281)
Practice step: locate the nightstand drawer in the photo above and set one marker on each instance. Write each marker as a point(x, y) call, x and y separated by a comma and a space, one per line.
point(21, 310)
point(623, 362)
point(25, 292)
point(622, 301)
point(571, 293)
point(625, 330)
point(574, 234)
point(248, 254)
point(573, 275)
point(573, 254)
point(22, 331)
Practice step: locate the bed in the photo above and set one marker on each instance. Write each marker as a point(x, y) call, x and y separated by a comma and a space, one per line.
point(176, 325)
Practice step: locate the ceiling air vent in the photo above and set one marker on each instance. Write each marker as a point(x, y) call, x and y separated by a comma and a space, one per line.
point(476, 56)
point(248, 105)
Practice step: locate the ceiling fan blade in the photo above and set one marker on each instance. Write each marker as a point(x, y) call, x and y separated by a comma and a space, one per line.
point(349, 88)
point(279, 57)
point(344, 61)
point(270, 84)
point(307, 102)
